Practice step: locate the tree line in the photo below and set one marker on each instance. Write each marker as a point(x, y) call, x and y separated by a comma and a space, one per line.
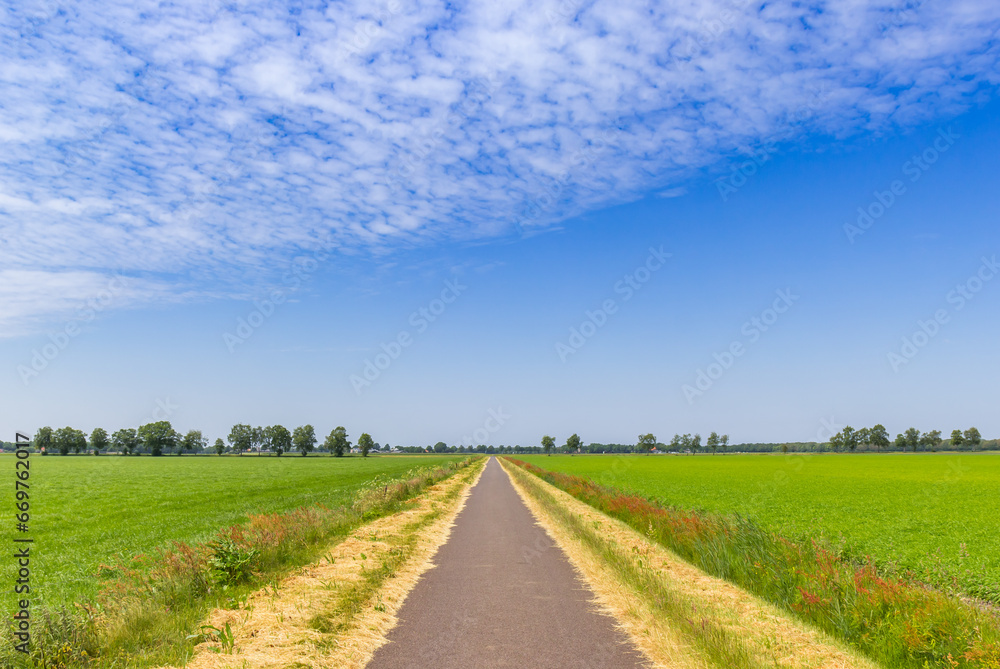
point(866, 438)
point(160, 437)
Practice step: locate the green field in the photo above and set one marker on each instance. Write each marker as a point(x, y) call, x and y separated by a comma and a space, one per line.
point(937, 513)
point(88, 510)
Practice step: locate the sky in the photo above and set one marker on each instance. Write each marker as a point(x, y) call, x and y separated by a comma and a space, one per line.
point(484, 222)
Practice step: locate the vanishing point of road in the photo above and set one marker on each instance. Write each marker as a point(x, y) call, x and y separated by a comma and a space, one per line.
point(502, 594)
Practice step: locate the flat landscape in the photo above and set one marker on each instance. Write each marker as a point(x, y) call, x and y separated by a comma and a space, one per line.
point(928, 512)
point(92, 510)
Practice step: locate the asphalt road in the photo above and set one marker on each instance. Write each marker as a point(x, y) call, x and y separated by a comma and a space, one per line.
point(502, 594)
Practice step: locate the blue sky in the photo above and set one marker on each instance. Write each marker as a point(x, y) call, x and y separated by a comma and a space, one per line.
point(177, 167)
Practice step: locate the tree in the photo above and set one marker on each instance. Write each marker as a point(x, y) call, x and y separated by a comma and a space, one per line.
point(912, 436)
point(713, 442)
point(878, 437)
point(972, 438)
point(647, 442)
point(837, 441)
point(365, 443)
point(439, 447)
point(98, 440)
point(573, 444)
point(66, 439)
point(864, 437)
point(336, 442)
point(957, 438)
point(220, 447)
point(43, 440)
point(695, 442)
point(548, 443)
point(304, 439)
point(850, 438)
point(277, 438)
point(900, 442)
point(677, 443)
point(723, 442)
point(257, 438)
point(158, 437)
point(241, 438)
point(192, 441)
point(930, 440)
point(126, 440)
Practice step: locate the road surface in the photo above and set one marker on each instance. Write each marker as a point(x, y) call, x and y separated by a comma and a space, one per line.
point(502, 594)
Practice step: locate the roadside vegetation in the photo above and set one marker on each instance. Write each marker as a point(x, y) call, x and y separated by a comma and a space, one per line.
point(149, 606)
point(894, 619)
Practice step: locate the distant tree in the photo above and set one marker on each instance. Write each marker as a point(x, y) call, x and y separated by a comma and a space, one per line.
point(837, 442)
point(257, 439)
point(850, 438)
point(695, 442)
point(573, 444)
point(878, 437)
point(126, 440)
point(972, 438)
point(158, 437)
point(929, 441)
point(241, 438)
point(490, 449)
point(723, 442)
point(304, 439)
point(647, 442)
point(67, 439)
point(677, 443)
point(439, 447)
point(365, 443)
point(713, 442)
point(912, 436)
point(336, 442)
point(277, 438)
point(99, 440)
point(548, 443)
point(956, 438)
point(864, 438)
point(220, 447)
point(43, 440)
point(192, 441)
point(900, 442)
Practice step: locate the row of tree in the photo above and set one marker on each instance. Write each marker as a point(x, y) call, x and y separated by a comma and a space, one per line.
point(850, 439)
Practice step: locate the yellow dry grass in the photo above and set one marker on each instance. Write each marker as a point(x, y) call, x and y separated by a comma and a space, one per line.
point(275, 628)
point(774, 636)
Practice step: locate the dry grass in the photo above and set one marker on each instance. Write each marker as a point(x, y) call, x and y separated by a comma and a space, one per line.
point(335, 613)
point(774, 638)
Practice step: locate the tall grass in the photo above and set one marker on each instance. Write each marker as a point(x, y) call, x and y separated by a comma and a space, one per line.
point(895, 620)
point(149, 605)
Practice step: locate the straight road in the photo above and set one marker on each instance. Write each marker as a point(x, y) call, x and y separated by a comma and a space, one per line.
point(502, 594)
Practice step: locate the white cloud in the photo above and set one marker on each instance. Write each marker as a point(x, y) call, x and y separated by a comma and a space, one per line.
point(171, 136)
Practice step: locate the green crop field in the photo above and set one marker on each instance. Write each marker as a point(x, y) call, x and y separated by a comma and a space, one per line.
point(937, 513)
point(88, 510)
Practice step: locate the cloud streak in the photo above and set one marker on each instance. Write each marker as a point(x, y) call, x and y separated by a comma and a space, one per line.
point(204, 140)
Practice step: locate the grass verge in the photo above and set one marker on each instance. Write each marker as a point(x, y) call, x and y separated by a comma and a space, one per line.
point(897, 623)
point(679, 616)
point(149, 607)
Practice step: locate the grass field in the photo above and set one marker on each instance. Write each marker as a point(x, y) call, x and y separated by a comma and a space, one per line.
point(87, 510)
point(936, 513)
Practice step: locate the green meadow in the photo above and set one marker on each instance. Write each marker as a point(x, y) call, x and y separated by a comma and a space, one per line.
point(938, 514)
point(88, 510)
